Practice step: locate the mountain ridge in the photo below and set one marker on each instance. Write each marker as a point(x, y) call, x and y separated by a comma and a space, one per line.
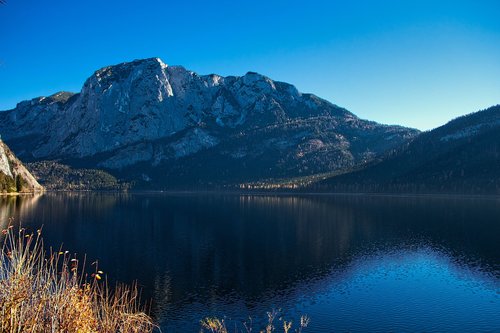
point(461, 156)
point(157, 124)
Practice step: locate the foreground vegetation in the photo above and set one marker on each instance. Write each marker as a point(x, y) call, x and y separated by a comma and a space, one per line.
point(274, 324)
point(46, 292)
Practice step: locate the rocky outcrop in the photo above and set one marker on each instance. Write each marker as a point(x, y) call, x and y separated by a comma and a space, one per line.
point(14, 177)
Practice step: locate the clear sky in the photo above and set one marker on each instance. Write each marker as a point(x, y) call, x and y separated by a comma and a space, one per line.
point(415, 63)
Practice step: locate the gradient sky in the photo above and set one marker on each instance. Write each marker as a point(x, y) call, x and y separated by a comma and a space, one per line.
point(414, 63)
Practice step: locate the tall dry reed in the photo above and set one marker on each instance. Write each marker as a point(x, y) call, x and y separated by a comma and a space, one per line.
point(274, 324)
point(47, 292)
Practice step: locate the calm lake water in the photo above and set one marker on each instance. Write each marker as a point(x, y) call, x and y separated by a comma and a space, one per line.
point(352, 263)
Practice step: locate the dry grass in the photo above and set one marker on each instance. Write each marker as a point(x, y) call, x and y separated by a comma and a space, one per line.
point(274, 324)
point(45, 292)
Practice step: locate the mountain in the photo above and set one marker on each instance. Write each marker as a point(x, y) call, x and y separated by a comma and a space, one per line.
point(14, 177)
point(164, 126)
point(462, 156)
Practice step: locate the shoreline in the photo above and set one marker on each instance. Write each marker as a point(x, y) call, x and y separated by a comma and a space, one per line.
point(8, 194)
point(264, 193)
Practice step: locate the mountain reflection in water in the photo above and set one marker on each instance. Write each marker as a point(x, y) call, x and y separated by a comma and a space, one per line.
point(355, 263)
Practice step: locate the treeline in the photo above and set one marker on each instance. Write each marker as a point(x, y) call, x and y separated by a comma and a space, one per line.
point(59, 177)
point(462, 156)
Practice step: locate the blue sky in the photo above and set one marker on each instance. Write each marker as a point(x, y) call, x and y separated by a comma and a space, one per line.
point(414, 63)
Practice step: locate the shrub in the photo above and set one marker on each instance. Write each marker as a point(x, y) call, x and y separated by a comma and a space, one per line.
point(7, 184)
point(274, 324)
point(45, 292)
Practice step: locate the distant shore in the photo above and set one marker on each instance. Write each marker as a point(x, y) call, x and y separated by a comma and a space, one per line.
point(259, 193)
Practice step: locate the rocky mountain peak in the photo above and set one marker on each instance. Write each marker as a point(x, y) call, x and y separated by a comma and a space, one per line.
point(258, 80)
point(145, 111)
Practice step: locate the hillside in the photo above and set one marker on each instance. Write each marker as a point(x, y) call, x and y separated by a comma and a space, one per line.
point(59, 177)
point(14, 177)
point(462, 156)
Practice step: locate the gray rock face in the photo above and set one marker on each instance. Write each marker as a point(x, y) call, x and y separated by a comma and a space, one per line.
point(162, 118)
point(4, 162)
point(14, 177)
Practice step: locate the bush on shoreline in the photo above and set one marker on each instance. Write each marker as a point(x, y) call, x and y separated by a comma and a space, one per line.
point(47, 292)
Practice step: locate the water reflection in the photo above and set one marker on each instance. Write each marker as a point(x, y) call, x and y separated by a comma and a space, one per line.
point(412, 289)
point(197, 255)
point(16, 206)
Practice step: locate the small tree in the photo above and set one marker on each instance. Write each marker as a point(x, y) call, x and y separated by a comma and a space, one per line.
point(7, 183)
point(20, 183)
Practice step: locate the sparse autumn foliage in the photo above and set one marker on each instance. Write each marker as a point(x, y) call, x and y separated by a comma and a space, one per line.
point(7, 184)
point(45, 292)
point(216, 325)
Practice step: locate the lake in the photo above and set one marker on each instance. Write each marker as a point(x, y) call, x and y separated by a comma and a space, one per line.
point(351, 263)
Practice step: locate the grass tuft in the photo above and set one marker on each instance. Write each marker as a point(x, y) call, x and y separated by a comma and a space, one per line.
point(215, 325)
point(46, 292)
